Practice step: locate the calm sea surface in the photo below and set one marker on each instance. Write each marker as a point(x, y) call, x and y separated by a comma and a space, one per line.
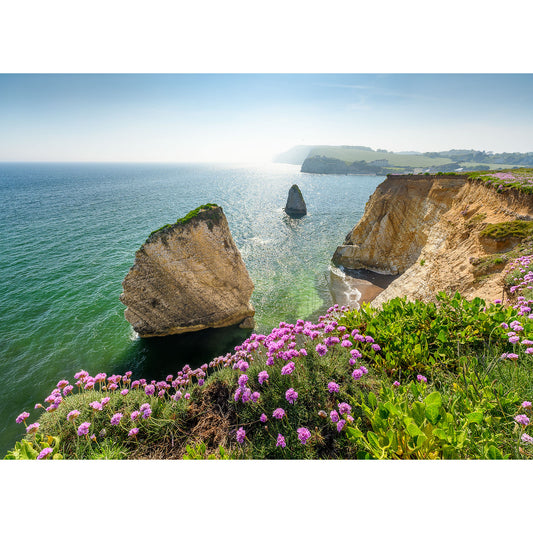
point(68, 236)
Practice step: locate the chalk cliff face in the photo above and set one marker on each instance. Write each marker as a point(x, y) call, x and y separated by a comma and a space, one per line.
point(427, 228)
point(188, 276)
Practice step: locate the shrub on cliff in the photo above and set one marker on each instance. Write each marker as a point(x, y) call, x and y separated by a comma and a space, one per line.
point(322, 390)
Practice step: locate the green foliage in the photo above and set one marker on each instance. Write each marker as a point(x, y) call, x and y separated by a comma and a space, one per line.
point(476, 219)
point(418, 337)
point(108, 450)
point(29, 449)
point(410, 422)
point(199, 452)
point(519, 229)
point(188, 217)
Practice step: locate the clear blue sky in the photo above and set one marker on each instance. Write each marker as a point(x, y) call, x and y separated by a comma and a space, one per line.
point(240, 117)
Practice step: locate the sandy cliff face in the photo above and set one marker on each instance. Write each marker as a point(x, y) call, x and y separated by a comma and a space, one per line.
point(186, 277)
point(428, 230)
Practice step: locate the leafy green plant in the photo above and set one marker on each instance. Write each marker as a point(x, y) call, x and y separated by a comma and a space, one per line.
point(199, 452)
point(408, 422)
point(32, 449)
point(108, 450)
point(424, 337)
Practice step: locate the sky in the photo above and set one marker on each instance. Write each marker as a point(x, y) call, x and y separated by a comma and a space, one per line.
point(252, 117)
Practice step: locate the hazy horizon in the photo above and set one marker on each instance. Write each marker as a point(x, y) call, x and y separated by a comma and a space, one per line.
point(246, 118)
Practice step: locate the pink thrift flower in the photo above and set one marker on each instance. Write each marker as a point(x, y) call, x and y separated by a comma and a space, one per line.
point(396, 384)
point(32, 428)
point(187, 396)
point(340, 425)
point(357, 374)
point(246, 395)
point(243, 379)
point(81, 374)
point(526, 438)
point(262, 376)
point(20, 418)
point(133, 432)
point(526, 405)
point(288, 369)
point(521, 419)
point(115, 419)
point(291, 395)
point(73, 415)
point(135, 414)
point(263, 418)
point(44, 453)
point(149, 390)
point(303, 434)
point(105, 401)
point(241, 435)
point(421, 378)
point(334, 416)
point(344, 408)
point(124, 392)
point(321, 349)
point(83, 428)
point(281, 441)
point(97, 406)
point(333, 387)
point(278, 413)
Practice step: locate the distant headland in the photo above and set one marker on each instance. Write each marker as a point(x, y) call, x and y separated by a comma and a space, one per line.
point(364, 160)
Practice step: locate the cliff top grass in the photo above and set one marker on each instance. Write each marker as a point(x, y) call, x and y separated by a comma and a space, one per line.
point(187, 218)
point(516, 178)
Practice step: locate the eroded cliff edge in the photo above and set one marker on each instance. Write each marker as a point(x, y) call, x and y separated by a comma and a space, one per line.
point(188, 276)
point(429, 229)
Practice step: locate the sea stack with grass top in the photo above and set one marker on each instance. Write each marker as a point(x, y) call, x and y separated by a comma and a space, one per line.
point(295, 206)
point(188, 276)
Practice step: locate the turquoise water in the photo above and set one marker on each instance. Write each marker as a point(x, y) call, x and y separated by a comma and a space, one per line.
point(68, 236)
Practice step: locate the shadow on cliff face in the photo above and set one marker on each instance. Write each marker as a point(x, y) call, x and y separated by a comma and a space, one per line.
point(156, 357)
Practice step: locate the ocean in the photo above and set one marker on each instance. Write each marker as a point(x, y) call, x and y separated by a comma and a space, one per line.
point(68, 236)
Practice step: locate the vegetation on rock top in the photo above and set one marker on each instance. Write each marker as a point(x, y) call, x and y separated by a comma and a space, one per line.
point(187, 218)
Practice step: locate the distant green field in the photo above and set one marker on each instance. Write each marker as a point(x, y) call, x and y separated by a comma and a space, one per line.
point(349, 155)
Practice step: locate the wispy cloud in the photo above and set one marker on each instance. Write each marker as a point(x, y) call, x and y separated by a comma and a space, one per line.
point(380, 91)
